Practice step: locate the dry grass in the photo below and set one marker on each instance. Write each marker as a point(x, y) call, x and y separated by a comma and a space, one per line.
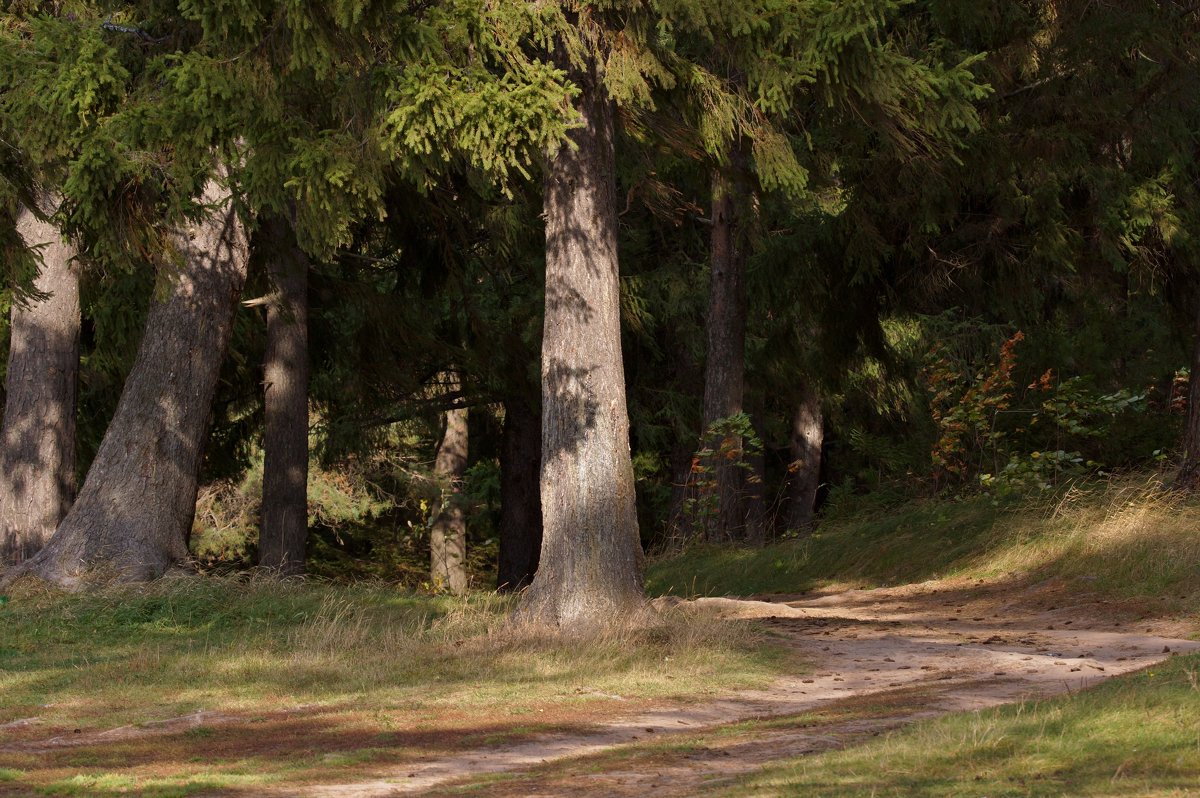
point(306, 680)
point(1129, 537)
point(1133, 536)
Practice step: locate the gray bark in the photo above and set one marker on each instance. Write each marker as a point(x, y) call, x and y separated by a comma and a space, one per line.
point(135, 509)
point(724, 367)
point(448, 533)
point(37, 444)
point(591, 561)
point(284, 528)
point(520, 496)
point(808, 436)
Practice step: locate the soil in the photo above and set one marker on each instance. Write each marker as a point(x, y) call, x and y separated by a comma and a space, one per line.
point(868, 661)
point(895, 655)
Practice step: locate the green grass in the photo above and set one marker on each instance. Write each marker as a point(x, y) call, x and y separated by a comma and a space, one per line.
point(183, 645)
point(378, 674)
point(1130, 538)
point(1138, 735)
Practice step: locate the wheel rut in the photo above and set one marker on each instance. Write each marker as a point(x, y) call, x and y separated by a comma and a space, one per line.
point(918, 652)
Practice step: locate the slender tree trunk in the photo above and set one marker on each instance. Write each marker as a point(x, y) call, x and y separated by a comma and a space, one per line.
point(285, 376)
point(37, 444)
point(808, 435)
point(724, 367)
point(679, 521)
point(591, 562)
point(1189, 472)
point(520, 495)
point(135, 510)
point(448, 534)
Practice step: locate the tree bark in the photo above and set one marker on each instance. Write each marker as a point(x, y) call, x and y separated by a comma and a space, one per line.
point(1189, 472)
point(135, 510)
point(724, 367)
point(448, 534)
point(284, 525)
point(520, 496)
point(37, 443)
point(591, 561)
point(808, 435)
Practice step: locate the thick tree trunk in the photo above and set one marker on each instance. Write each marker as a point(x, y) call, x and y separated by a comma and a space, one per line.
point(1189, 472)
point(285, 376)
point(37, 444)
point(591, 563)
point(808, 436)
point(721, 496)
point(448, 533)
point(135, 510)
point(520, 496)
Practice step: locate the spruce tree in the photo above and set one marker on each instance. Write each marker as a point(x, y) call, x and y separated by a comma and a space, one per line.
point(284, 525)
point(313, 107)
point(37, 443)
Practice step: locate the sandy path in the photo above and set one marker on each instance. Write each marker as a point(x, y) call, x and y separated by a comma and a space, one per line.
point(948, 647)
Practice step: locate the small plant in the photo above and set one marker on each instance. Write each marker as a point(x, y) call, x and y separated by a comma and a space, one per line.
point(728, 443)
point(967, 421)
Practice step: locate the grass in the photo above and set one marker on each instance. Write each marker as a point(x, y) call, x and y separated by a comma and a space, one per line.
point(1138, 735)
point(1129, 538)
point(309, 678)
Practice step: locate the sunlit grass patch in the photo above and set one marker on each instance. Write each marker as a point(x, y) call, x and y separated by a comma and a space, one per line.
point(1130, 537)
point(1137, 735)
point(297, 678)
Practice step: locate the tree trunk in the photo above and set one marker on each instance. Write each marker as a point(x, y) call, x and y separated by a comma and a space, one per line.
point(448, 534)
point(285, 376)
point(808, 435)
point(37, 444)
point(1189, 472)
point(591, 562)
point(683, 483)
point(135, 510)
point(520, 496)
point(721, 499)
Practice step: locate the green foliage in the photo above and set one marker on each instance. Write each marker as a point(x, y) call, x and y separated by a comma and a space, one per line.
point(728, 442)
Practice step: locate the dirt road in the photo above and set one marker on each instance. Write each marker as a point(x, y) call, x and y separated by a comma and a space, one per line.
point(918, 651)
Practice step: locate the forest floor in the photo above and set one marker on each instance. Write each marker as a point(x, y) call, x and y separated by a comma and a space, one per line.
point(866, 662)
point(878, 660)
point(973, 647)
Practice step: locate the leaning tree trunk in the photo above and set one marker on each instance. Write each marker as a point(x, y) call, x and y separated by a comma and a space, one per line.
point(284, 526)
point(721, 500)
point(591, 562)
point(448, 534)
point(1189, 472)
point(135, 510)
point(808, 436)
point(520, 496)
point(37, 444)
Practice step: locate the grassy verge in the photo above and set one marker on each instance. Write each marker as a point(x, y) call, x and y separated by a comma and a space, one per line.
point(313, 679)
point(1131, 538)
point(1137, 735)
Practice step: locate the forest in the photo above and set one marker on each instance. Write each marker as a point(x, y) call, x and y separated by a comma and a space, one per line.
point(613, 397)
